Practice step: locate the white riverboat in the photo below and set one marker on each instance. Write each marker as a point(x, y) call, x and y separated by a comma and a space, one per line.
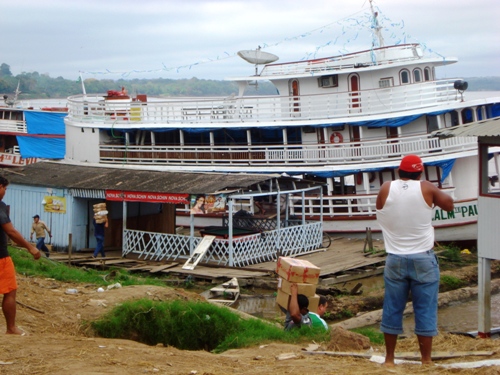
point(345, 120)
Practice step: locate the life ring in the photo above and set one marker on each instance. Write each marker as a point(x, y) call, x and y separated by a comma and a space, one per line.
point(336, 137)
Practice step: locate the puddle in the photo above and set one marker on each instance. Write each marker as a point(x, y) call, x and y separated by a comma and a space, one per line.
point(461, 317)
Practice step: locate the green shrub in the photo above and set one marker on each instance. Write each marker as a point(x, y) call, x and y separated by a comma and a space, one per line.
point(192, 325)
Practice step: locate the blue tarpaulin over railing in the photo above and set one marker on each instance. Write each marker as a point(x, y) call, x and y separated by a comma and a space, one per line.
point(47, 148)
point(45, 122)
point(445, 165)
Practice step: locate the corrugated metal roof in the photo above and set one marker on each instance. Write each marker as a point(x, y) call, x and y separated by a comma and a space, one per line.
point(485, 128)
point(59, 175)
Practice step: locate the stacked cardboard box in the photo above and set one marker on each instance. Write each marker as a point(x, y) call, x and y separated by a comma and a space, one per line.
point(304, 274)
point(100, 213)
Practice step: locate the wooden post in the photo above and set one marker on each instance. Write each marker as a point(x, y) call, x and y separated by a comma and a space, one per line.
point(368, 240)
point(484, 297)
point(70, 247)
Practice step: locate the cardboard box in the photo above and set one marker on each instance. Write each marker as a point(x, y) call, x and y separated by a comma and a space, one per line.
point(297, 270)
point(309, 290)
point(313, 303)
point(283, 299)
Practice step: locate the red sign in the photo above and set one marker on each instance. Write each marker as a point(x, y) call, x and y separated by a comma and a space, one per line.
point(140, 196)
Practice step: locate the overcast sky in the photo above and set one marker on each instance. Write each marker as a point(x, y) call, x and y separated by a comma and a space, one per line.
point(200, 38)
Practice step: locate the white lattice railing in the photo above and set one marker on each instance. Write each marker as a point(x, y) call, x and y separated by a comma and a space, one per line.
point(242, 251)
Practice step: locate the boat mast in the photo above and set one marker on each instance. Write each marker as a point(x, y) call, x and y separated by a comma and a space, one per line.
point(376, 27)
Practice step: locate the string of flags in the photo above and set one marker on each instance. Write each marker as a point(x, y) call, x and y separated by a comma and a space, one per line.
point(349, 27)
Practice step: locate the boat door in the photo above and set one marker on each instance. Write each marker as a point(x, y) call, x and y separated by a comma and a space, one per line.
point(355, 100)
point(392, 136)
point(294, 91)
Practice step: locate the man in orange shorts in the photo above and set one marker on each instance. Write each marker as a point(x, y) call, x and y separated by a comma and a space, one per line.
point(8, 284)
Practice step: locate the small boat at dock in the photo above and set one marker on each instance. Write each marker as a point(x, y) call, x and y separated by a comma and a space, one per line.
point(225, 294)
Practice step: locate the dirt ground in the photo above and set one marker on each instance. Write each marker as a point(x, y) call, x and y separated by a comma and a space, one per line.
point(55, 344)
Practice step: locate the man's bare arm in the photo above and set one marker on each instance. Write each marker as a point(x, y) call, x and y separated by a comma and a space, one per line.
point(19, 239)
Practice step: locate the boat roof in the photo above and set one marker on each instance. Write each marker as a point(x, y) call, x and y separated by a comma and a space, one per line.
point(485, 128)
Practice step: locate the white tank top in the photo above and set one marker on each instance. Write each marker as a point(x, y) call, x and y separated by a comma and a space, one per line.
point(406, 219)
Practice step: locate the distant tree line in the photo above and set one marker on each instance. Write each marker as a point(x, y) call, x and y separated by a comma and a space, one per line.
point(40, 86)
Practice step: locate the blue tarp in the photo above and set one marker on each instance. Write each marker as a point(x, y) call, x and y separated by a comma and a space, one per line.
point(445, 165)
point(388, 122)
point(48, 148)
point(45, 122)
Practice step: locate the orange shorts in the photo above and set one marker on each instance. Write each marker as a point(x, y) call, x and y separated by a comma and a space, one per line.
point(7, 276)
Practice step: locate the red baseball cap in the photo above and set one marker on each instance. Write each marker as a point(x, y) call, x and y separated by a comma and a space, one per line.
point(411, 163)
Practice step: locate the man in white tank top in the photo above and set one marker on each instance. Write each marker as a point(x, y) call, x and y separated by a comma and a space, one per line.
point(404, 212)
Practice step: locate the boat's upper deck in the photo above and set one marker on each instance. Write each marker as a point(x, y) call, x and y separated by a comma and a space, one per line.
point(376, 58)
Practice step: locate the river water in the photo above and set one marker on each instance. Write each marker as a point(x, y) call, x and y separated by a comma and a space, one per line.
point(457, 317)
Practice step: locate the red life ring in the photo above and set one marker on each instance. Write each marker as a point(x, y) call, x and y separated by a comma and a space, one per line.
point(359, 178)
point(336, 137)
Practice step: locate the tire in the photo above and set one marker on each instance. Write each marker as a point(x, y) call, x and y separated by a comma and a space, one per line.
point(327, 240)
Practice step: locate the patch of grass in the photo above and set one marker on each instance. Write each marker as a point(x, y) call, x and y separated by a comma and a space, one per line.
point(450, 256)
point(44, 267)
point(448, 282)
point(189, 325)
point(376, 337)
point(343, 314)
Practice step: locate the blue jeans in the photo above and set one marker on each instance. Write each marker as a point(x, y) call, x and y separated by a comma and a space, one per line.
point(418, 274)
point(100, 246)
point(40, 245)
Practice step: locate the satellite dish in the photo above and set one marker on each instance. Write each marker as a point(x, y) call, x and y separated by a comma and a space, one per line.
point(257, 57)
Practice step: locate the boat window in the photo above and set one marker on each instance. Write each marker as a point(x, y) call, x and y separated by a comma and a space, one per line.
point(451, 119)
point(404, 76)
point(386, 82)
point(467, 115)
point(263, 136)
point(328, 81)
point(417, 75)
point(432, 123)
point(427, 74)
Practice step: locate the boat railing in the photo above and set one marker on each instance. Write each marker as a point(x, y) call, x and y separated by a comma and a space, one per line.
point(351, 205)
point(337, 205)
point(347, 153)
point(378, 56)
point(94, 111)
point(14, 126)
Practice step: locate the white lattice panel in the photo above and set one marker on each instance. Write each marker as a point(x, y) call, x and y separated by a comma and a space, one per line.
point(245, 250)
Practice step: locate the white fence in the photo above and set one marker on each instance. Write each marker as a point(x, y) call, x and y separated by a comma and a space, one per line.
point(240, 252)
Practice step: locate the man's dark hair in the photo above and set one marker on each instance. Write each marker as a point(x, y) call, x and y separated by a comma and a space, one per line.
point(3, 181)
point(303, 301)
point(409, 175)
point(322, 300)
